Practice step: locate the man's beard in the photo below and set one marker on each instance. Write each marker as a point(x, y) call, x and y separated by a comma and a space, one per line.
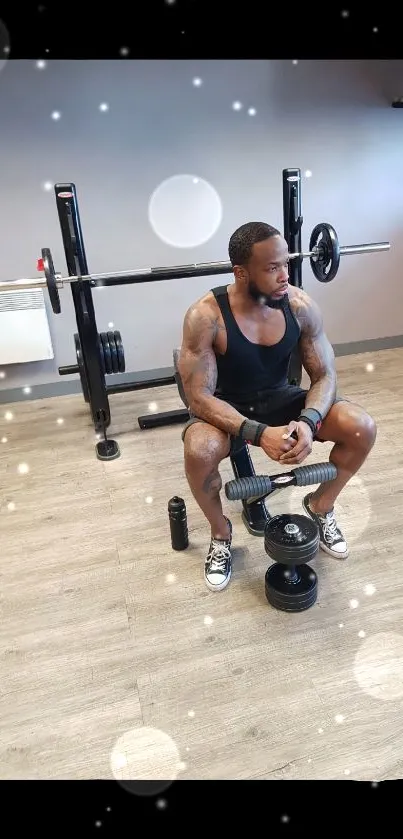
point(266, 299)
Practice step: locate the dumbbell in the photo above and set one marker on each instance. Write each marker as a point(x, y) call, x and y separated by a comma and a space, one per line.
point(291, 541)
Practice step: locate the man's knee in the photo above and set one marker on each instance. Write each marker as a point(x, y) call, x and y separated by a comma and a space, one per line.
point(355, 424)
point(205, 445)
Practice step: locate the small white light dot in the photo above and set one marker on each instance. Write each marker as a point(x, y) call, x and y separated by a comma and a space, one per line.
point(56, 115)
point(354, 603)
point(170, 578)
point(27, 390)
point(375, 29)
point(111, 325)
point(8, 416)
point(285, 819)
point(23, 468)
point(124, 51)
point(170, 2)
point(208, 620)
point(187, 749)
point(339, 718)
point(60, 420)
point(346, 771)
point(341, 625)
point(47, 186)
point(4, 439)
point(104, 106)
point(197, 82)
point(46, 50)
point(361, 633)
point(374, 784)
point(191, 713)
point(295, 62)
point(11, 506)
point(98, 436)
point(345, 13)
point(195, 180)
point(41, 64)
point(369, 589)
point(2, 374)
point(320, 730)
point(98, 824)
point(237, 106)
point(153, 407)
point(369, 368)
point(149, 499)
point(252, 112)
point(6, 50)
point(309, 760)
point(161, 804)
point(308, 173)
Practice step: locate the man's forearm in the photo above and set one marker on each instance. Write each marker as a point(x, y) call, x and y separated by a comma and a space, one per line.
point(321, 394)
point(218, 413)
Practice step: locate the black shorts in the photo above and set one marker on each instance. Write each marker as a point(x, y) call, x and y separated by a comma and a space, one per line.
point(278, 407)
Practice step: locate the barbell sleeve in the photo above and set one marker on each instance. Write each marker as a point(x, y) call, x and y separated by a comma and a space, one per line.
point(346, 250)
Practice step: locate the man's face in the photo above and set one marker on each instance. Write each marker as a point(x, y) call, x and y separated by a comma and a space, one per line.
point(266, 273)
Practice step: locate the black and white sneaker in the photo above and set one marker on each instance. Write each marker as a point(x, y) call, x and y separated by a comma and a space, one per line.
point(331, 538)
point(218, 564)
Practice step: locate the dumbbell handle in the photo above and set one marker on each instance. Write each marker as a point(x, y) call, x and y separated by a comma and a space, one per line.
point(258, 486)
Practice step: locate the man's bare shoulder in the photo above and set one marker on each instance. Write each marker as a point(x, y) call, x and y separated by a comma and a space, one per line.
point(203, 317)
point(305, 309)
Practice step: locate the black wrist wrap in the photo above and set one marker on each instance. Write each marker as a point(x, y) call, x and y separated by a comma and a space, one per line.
point(251, 431)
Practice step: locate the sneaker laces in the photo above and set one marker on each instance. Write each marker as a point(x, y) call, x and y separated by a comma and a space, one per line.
point(219, 556)
point(329, 526)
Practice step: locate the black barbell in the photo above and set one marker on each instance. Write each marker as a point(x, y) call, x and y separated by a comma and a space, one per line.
point(324, 255)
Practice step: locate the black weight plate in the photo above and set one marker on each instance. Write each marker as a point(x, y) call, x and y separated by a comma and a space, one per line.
point(83, 377)
point(291, 539)
point(288, 594)
point(50, 276)
point(107, 353)
point(121, 352)
point(325, 264)
point(114, 352)
point(101, 355)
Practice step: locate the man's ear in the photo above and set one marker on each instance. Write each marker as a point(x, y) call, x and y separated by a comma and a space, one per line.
point(240, 273)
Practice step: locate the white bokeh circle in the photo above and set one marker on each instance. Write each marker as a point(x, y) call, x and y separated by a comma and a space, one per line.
point(4, 45)
point(145, 761)
point(185, 211)
point(378, 666)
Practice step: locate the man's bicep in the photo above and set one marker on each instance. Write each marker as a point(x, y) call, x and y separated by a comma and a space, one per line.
point(197, 361)
point(316, 351)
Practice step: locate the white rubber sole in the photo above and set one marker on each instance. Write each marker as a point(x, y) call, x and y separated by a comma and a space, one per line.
point(218, 586)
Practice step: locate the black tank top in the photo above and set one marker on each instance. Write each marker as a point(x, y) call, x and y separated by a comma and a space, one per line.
point(246, 371)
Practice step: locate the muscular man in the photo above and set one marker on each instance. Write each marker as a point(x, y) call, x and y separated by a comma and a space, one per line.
point(234, 358)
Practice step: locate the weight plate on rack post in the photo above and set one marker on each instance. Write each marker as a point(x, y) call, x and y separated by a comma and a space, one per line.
point(107, 353)
point(80, 362)
point(121, 352)
point(114, 352)
point(101, 355)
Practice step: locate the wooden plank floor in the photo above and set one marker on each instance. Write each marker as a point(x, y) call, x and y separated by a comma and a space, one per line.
point(116, 661)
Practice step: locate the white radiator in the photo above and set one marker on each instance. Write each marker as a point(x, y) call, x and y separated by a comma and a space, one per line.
point(24, 327)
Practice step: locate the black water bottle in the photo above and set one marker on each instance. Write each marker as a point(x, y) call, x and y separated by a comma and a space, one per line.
point(178, 523)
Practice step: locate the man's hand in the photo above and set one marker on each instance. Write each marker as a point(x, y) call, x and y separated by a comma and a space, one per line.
point(302, 447)
point(276, 440)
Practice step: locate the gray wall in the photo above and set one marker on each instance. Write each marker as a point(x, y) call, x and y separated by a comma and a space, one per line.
point(330, 117)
